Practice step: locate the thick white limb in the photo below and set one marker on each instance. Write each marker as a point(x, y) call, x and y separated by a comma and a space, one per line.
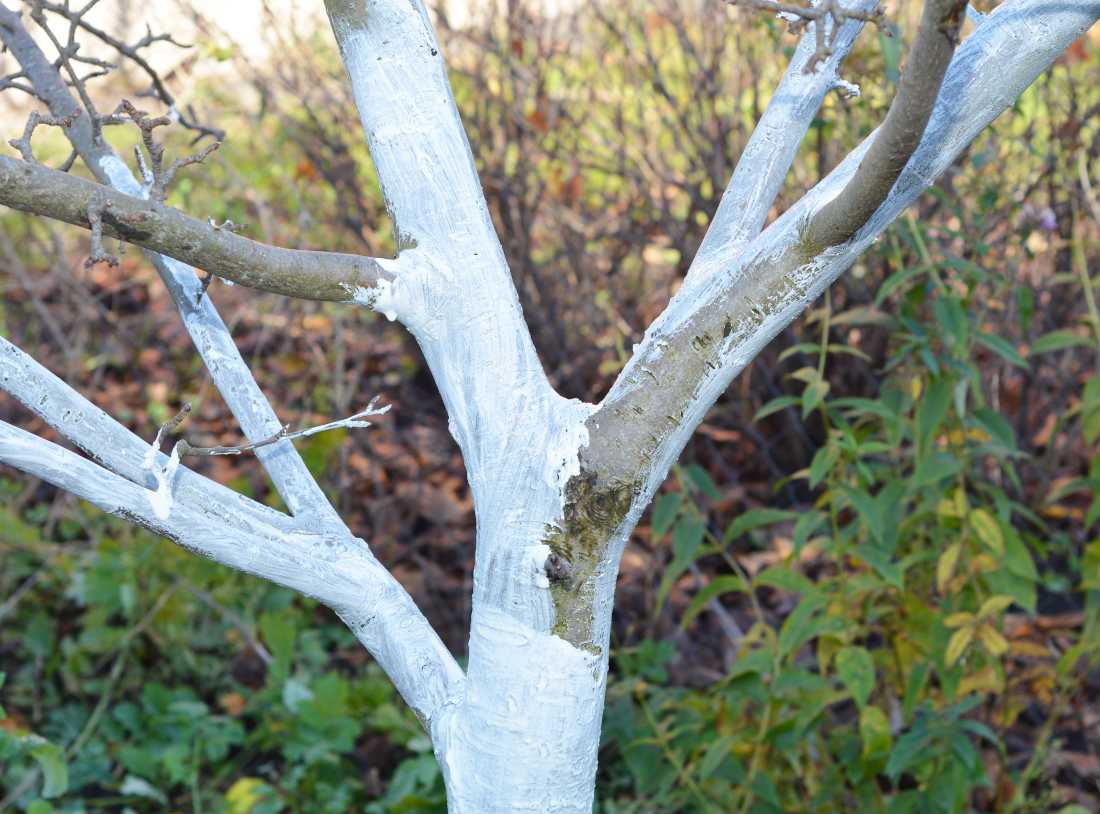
point(749, 295)
point(774, 143)
point(525, 736)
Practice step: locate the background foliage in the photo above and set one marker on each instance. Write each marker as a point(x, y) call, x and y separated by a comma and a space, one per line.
point(872, 583)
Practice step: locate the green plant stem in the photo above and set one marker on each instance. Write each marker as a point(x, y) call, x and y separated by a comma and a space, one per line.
point(673, 758)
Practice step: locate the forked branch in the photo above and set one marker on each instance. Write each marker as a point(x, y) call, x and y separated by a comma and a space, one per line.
point(798, 17)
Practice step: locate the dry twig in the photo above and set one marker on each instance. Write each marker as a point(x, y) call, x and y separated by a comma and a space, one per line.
point(798, 17)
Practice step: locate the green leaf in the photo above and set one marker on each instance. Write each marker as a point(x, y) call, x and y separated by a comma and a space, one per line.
point(715, 754)
point(1057, 340)
point(935, 468)
point(856, 670)
point(1002, 347)
point(896, 280)
point(874, 731)
point(773, 406)
point(665, 511)
point(725, 584)
point(755, 518)
point(867, 509)
point(813, 395)
point(277, 630)
point(802, 625)
point(952, 317)
point(55, 774)
point(807, 524)
point(701, 480)
point(996, 426)
point(909, 750)
point(932, 410)
point(687, 537)
point(783, 578)
point(1018, 577)
point(987, 530)
point(823, 462)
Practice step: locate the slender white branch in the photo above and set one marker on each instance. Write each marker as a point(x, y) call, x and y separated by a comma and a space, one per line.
point(338, 570)
point(209, 333)
point(770, 151)
point(118, 449)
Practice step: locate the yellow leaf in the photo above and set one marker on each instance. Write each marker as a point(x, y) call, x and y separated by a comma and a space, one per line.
point(959, 619)
point(244, 794)
point(945, 568)
point(977, 434)
point(1029, 650)
point(982, 564)
point(988, 530)
point(915, 387)
point(961, 503)
point(985, 680)
point(994, 642)
point(959, 640)
point(946, 508)
point(994, 605)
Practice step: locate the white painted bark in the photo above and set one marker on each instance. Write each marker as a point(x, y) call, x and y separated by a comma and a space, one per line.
point(518, 741)
point(771, 149)
point(378, 610)
point(520, 731)
point(524, 736)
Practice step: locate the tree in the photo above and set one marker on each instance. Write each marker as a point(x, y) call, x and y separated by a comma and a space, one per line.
point(558, 484)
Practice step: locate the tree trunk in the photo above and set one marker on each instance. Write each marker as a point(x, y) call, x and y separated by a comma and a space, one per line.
point(526, 736)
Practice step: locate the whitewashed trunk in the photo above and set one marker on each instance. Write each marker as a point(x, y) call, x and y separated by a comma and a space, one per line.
point(520, 731)
point(525, 737)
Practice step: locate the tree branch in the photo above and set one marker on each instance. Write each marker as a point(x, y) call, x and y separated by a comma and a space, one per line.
point(339, 571)
point(900, 133)
point(313, 275)
point(116, 448)
point(710, 332)
point(228, 370)
point(773, 145)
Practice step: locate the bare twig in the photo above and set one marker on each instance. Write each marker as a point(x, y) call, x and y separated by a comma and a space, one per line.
point(23, 145)
point(158, 88)
point(97, 205)
point(183, 449)
point(798, 17)
point(156, 177)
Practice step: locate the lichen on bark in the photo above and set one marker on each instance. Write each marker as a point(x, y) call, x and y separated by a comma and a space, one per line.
point(592, 513)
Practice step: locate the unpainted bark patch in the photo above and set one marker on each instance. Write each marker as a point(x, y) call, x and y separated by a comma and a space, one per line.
point(592, 515)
